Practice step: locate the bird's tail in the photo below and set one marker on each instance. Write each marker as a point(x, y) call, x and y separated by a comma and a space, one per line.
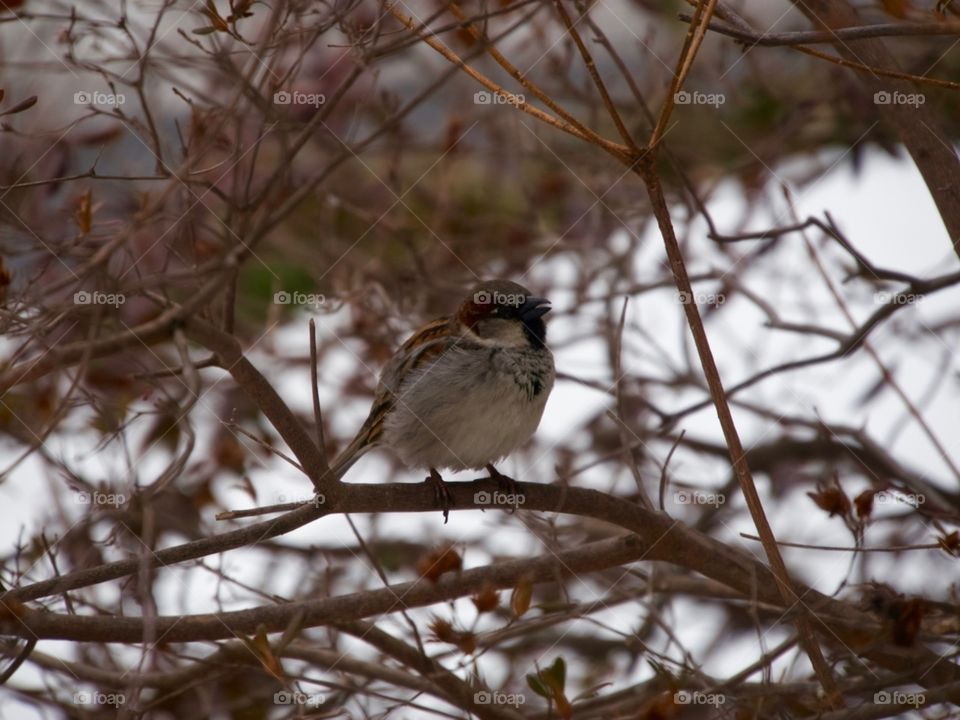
point(367, 438)
point(349, 455)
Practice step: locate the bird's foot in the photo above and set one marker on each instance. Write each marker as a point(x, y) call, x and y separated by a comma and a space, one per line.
point(507, 485)
point(441, 493)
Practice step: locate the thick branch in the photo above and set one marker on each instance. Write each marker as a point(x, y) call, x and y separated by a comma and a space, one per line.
point(261, 392)
point(654, 536)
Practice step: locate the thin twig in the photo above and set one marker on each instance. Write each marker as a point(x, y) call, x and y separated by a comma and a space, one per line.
point(620, 151)
point(317, 412)
point(595, 76)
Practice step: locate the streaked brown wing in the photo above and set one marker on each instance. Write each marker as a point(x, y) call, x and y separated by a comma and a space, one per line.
point(423, 347)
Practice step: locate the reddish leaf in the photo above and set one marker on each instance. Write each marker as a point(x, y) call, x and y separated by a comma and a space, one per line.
point(437, 562)
point(443, 631)
point(832, 499)
point(261, 646)
point(520, 600)
point(218, 22)
point(950, 543)
point(487, 599)
point(465, 37)
point(84, 212)
point(864, 503)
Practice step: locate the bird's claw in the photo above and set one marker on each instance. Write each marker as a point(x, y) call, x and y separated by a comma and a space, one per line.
point(441, 493)
point(506, 484)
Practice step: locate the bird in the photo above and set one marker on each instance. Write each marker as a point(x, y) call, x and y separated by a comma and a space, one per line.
point(465, 390)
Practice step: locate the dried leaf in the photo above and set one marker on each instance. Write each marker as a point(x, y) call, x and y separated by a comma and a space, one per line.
point(520, 599)
point(487, 599)
point(240, 9)
point(443, 631)
point(950, 543)
point(218, 22)
point(832, 499)
point(20, 107)
point(465, 37)
point(437, 562)
point(260, 646)
point(864, 503)
point(84, 212)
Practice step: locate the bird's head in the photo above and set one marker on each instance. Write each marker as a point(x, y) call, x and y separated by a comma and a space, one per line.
point(502, 312)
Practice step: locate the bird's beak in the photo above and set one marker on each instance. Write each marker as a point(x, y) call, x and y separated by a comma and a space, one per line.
point(534, 308)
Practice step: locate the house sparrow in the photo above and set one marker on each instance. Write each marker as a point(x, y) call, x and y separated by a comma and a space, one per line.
point(465, 390)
